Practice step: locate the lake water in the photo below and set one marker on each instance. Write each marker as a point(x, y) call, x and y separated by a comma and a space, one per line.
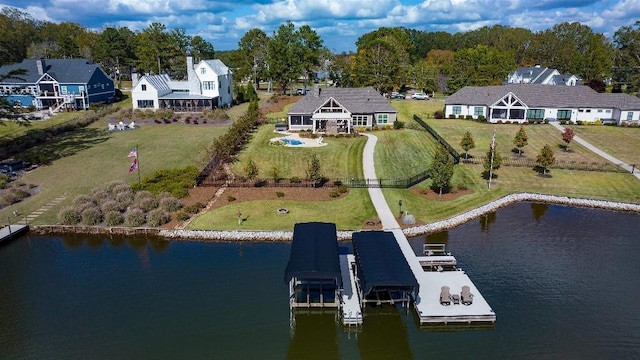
point(564, 283)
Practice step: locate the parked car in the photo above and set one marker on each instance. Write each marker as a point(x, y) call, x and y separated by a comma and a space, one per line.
point(420, 96)
point(397, 95)
point(301, 91)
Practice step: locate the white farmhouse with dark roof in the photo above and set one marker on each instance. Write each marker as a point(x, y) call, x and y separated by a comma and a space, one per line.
point(539, 75)
point(209, 85)
point(341, 110)
point(534, 102)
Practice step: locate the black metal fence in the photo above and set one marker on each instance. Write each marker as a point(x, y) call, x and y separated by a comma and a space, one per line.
point(440, 139)
point(565, 165)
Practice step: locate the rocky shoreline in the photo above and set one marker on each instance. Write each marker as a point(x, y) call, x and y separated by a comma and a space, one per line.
point(285, 236)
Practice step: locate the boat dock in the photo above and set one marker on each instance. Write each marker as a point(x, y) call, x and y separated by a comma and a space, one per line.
point(350, 304)
point(10, 232)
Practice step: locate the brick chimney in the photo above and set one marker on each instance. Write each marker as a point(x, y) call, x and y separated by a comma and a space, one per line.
point(42, 66)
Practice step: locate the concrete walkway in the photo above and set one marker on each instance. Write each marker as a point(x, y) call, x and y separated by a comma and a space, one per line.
point(377, 198)
point(601, 153)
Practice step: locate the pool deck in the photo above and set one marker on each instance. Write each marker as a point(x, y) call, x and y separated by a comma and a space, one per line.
point(306, 142)
point(350, 305)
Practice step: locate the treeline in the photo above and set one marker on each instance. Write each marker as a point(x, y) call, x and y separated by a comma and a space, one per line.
point(387, 58)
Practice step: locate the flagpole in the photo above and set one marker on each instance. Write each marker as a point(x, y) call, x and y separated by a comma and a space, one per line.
point(493, 147)
point(138, 159)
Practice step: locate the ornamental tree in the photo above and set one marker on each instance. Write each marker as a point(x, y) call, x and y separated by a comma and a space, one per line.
point(441, 170)
point(492, 166)
point(545, 158)
point(567, 136)
point(467, 143)
point(521, 140)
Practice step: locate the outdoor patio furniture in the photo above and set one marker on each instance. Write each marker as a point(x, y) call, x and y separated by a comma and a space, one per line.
point(445, 296)
point(466, 296)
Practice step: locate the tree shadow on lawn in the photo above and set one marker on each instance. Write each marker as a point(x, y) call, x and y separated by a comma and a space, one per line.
point(65, 145)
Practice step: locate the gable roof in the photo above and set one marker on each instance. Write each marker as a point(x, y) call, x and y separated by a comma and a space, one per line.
point(159, 82)
point(69, 71)
point(381, 263)
point(218, 66)
point(314, 252)
point(356, 100)
point(538, 95)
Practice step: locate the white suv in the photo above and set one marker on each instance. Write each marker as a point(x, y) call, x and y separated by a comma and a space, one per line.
point(420, 96)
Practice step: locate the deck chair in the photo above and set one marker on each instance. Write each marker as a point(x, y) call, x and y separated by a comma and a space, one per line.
point(445, 296)
point(111, 127)
point(132, 125)
point(466, 296)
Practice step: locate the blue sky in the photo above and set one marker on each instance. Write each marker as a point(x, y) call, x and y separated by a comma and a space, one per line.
point(338, 22)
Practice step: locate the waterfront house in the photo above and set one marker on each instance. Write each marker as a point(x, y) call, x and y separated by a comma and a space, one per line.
point(544, 76)
point(57, 84)
point(209, 85)
point(535, 103)
point(341, 110)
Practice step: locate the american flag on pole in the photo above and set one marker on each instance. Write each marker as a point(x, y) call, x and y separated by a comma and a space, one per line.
point(133, 166)
point(493, 141)
point(133, 153)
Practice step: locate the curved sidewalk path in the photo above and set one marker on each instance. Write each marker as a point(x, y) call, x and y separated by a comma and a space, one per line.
point(596, 150)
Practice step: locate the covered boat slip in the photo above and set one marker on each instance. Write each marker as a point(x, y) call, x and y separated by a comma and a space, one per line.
point(313, 271)
point(382, 272)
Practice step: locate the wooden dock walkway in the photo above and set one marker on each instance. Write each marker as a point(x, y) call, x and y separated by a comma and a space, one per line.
point(351, 310)
point(10, 232)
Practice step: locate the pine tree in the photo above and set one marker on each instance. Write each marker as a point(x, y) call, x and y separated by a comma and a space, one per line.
point(251, 170)
point(521, 140)
point(441, 170)
point(313, 169)
point(467, 143)
point(545, 158)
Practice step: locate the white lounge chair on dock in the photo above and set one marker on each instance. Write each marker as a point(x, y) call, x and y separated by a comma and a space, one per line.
point(466, 296)
point(445, 296)
point(111, 127)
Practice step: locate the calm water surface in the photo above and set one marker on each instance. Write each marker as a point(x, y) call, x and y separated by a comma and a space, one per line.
point(564, 283)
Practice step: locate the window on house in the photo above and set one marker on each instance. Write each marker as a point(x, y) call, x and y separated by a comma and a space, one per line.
point(145, 104)
point(564, 114)
point(599, 110)
point(535, 114)
point(630, 115)
point(359, 120)
point(143, 87)
point(608, 111)
point(306, 120)
point(63, 90)
point(208, 85)
point(203, 70)
point(295, 120)
point(382, 118)
point(457, 110)
point(478, 111)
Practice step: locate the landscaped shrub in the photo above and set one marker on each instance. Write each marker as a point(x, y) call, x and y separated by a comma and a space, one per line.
point(113, 218)
point(175, 181)
point(158, 217)
point(334, 193)
point(83, 199)
point(91, 216)
point(231, 198)
point(121, 189)
point(182, 216)
point(468, 117)
point(146, 203)
point(110, 205)
point(69, 216)
point(452, 116)
point(134, 217)
point(19, 193)
point(398, 124)
point(193, 209)
point(481, 118)
point(439, 114)
point(83, 206)
point(170, 204)
point(7, 199)
point(295, 180)
point(342, 189)
point(100, 195)
point(279, 194)
point(124, 199)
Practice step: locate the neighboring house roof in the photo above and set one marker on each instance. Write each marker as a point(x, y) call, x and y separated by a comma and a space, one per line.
point(218, 66)
point(314, 252)
point(70, 71)
point(540, 75)
point(537, 95)
point(381, 263)
point(356, 100)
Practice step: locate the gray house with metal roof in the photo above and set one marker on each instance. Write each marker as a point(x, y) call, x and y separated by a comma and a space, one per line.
point(534, 102)
point(209, 85)
point(539, 75)
point(341, 110)
point(57, 84)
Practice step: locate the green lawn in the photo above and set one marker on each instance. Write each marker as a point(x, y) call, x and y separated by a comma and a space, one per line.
point(619, 142)
point(341, 158)
point(93, 156)
point(402, 153)
point(425, 109)
point(348, 213)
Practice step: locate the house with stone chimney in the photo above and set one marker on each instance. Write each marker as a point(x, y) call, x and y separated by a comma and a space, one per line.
point(209, 85)
point(341, 110)
point(57, 84)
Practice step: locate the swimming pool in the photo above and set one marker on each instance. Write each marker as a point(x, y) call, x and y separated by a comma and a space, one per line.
point(292, 142)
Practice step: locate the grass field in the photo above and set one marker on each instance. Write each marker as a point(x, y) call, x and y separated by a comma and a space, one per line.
point(93, 156)
point(402, 153)
point(348, 213)
point(340, 158)
point(618, 142)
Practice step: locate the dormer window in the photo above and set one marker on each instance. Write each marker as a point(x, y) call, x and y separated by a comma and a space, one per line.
point(203, 70)
point(144, 87)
